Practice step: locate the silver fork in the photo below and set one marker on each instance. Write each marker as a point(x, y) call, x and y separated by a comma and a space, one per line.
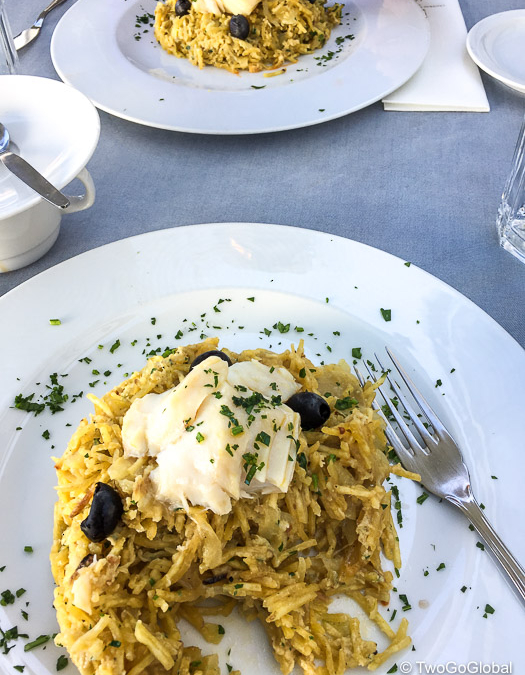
point(29, 34)
point(439, 461)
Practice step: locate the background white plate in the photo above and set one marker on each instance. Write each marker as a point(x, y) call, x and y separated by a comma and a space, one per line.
point(497, 45)
point(171, 275)
point(98, 48)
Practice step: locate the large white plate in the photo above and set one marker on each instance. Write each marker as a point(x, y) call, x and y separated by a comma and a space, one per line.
point(309, 279)
point(497, 45)
point(94, 47)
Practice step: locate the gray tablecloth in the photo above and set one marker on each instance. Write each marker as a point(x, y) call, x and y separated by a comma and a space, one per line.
point(424, 186)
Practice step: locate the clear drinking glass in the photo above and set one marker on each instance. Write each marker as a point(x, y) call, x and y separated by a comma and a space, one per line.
point(8, 55)
point(511, 213)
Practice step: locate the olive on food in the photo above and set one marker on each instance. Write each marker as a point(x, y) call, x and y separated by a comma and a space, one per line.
point(312, 408)
point(182, 7)
point(104, 515)
point(203, 357)
point(239, 26)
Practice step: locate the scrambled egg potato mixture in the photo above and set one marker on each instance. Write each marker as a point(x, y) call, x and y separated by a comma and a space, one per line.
point(212, 480)
point(248, 35)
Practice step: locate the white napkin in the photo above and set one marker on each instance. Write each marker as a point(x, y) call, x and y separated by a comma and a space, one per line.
point(448, 80)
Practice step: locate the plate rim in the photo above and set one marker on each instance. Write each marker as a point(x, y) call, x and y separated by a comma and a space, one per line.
point(251, 225)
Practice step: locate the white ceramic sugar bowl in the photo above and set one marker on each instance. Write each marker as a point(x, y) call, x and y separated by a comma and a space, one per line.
point(56, 129)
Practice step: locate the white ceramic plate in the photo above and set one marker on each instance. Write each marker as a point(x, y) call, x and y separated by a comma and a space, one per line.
point(94, 47)
point(53, 126)
point(497, 45)
point(115, 291)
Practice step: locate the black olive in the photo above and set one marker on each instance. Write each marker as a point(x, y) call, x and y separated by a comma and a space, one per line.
point(182, 7)
point(239, 26)
point(312, 408)
point(104, 515)
point(213, 352)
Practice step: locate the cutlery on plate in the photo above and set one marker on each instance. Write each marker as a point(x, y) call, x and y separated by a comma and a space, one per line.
point(437, 458)
point(29, 34)
point(26, 173)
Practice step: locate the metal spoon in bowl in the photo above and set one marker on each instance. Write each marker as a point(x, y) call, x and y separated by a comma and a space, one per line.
point(26, 173)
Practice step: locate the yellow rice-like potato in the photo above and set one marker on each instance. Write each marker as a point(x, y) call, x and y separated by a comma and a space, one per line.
point(280, 31)
point(280, 558)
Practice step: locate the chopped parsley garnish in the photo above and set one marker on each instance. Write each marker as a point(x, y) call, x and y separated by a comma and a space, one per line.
point(302, 460)
point(480, 545)
point(441, 566)
point(386, 314)
point(26, 403)
point(62, 661)
point(463, 589)
point(251, 473)
point(489, 609)
point(422, 497)
point(237, 430)
point(114, 346)
point(55, 322)
point(406, 605)
point(263, 438)
point(28, 549)
point(115, 643)
point(7, 598)
point(393, 669)
point(302, 373)
point(281, 327)
point(41, 640)
point(356, 352)
point(345, 403)
point(220, 629)
point(199, 437)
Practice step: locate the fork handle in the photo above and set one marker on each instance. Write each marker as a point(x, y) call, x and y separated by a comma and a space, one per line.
point(50, 7)
point(509, 563)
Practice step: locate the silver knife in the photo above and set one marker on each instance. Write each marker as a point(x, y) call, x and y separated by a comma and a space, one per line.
point(29, 34)
point(26, 173)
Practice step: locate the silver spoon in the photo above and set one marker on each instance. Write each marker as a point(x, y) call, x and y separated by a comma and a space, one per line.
point(29, 34)
point(26, 173)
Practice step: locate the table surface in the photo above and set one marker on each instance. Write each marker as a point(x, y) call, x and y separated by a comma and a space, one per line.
point(423, 186)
